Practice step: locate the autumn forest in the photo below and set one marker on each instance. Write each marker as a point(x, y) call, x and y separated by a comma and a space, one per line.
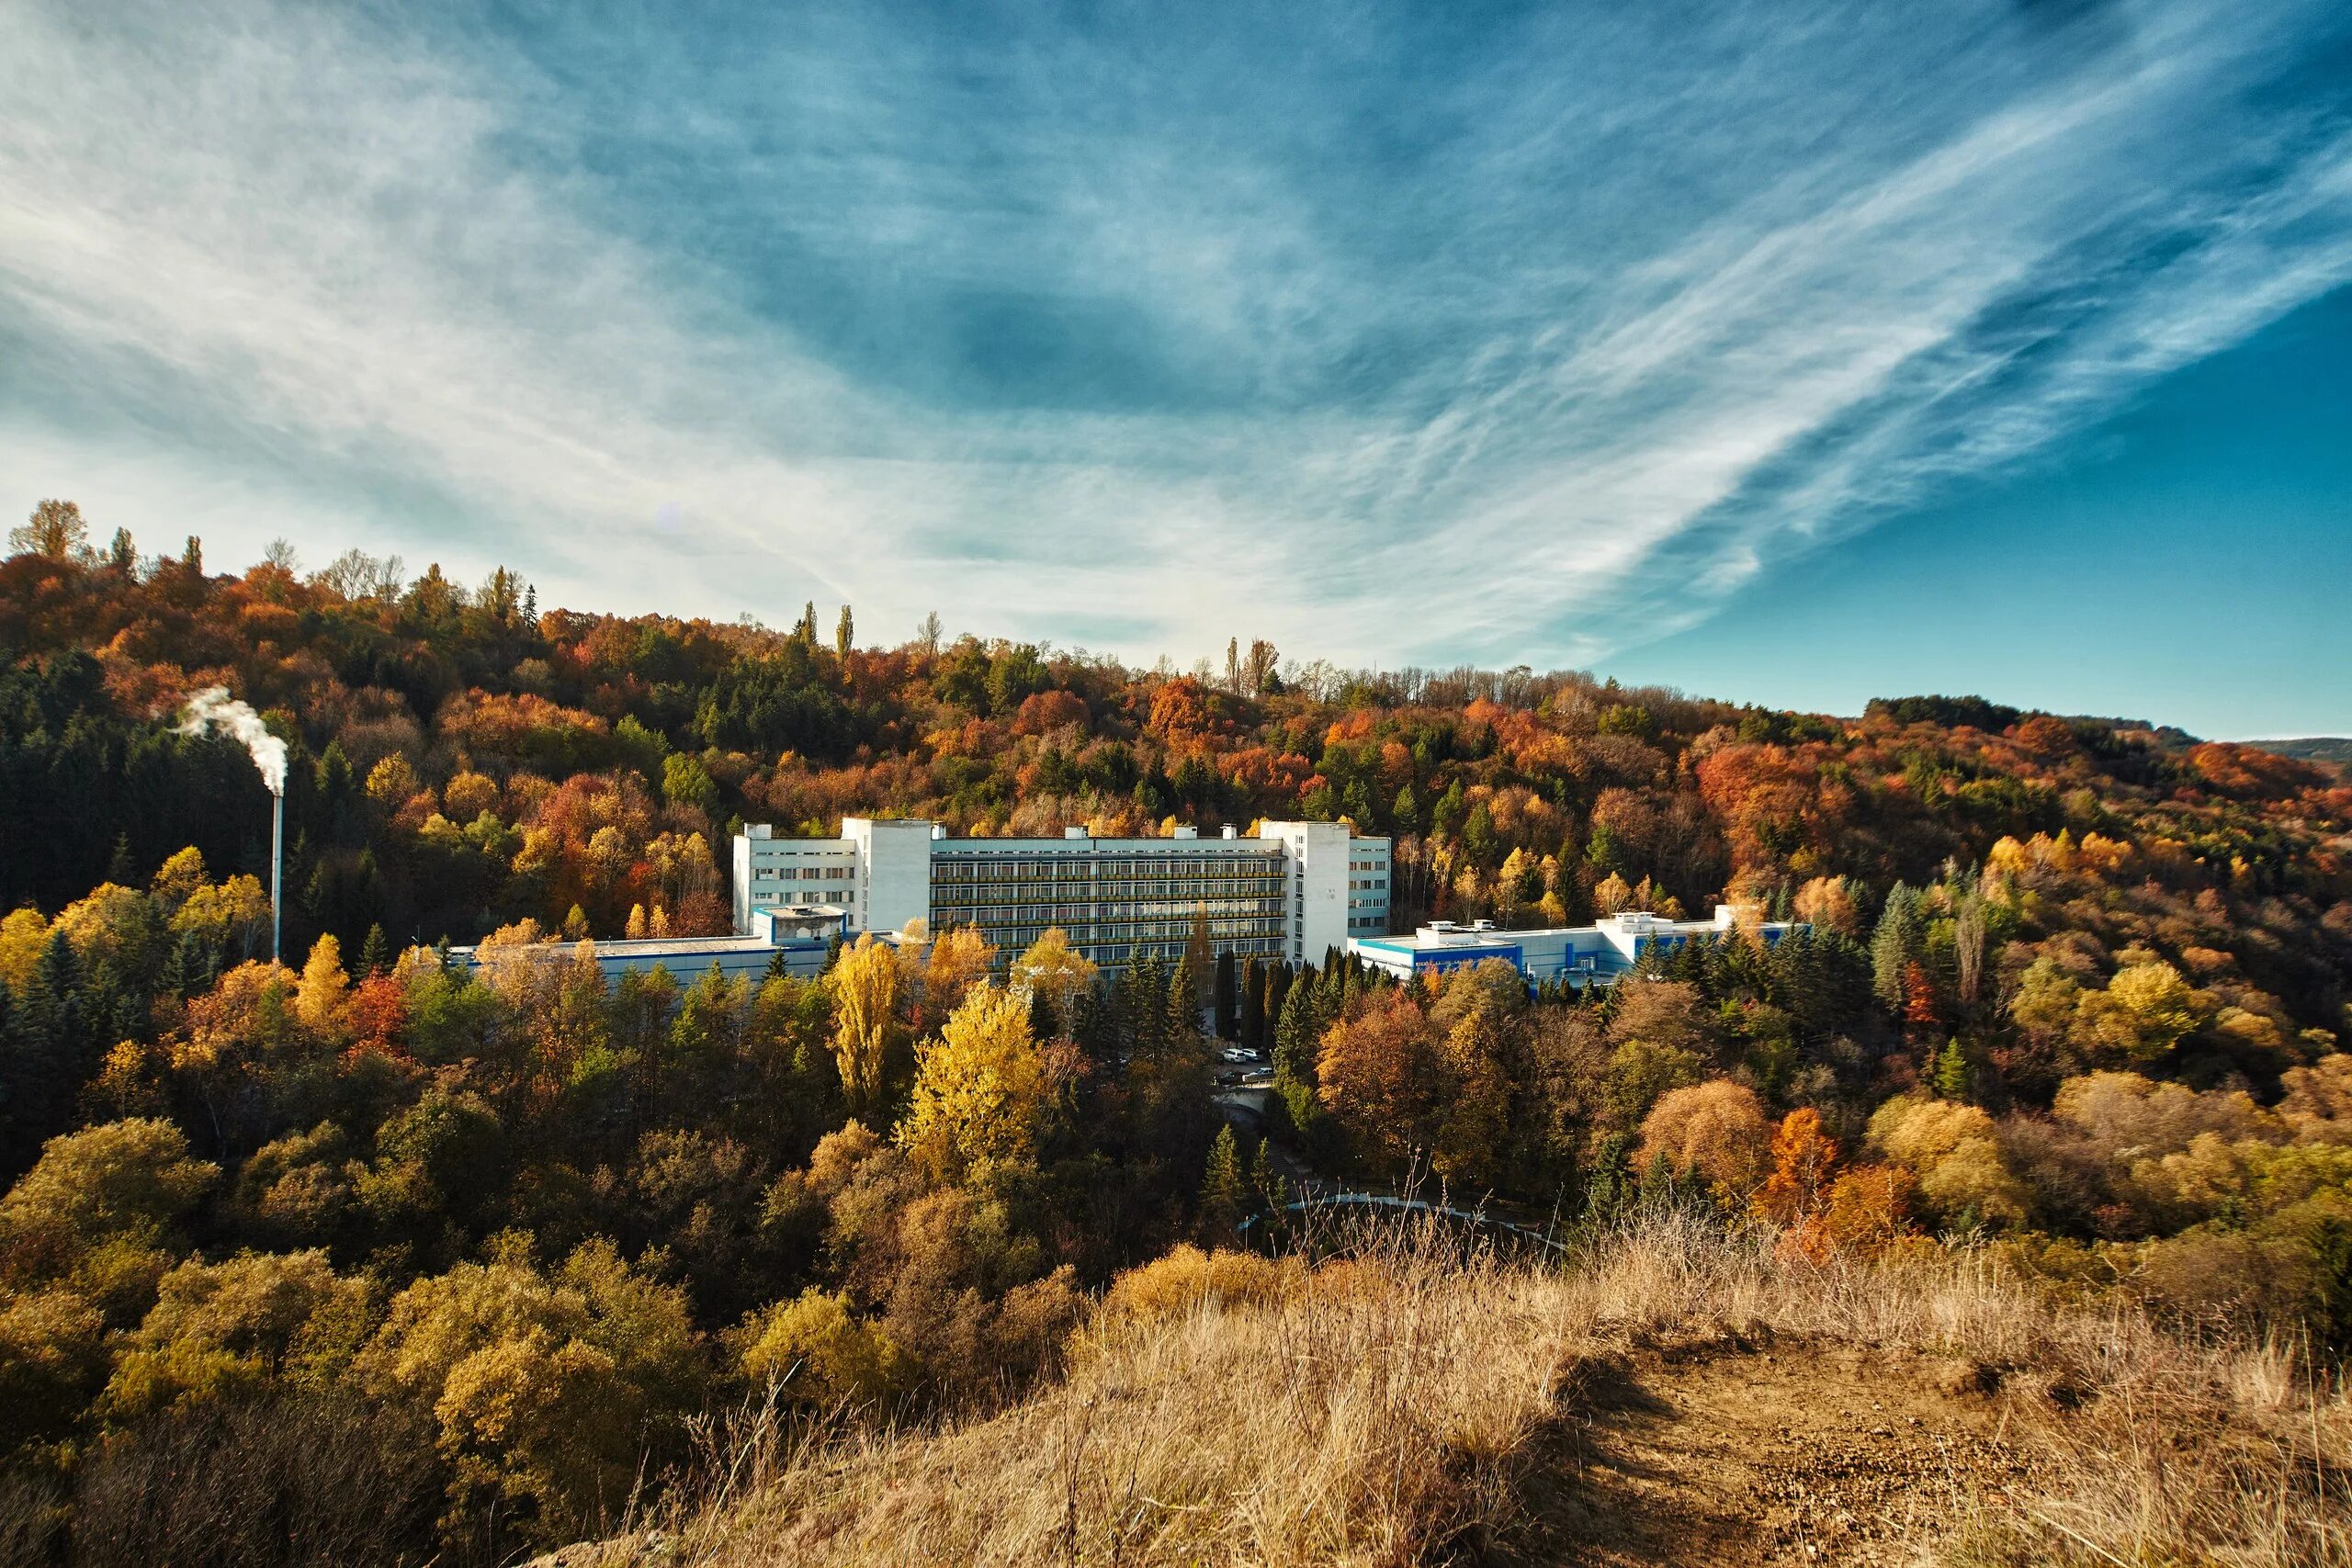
point(453, 1265)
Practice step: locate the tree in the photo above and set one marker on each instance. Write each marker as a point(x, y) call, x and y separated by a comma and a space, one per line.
point(1715, 1131)
point(866, 986)
point(1384, 1077)
point(1253, 1004)
point(2145, 1010)
point(1262, 660)
point(1198, 966)
point(1896, 944)
point(981, 1089)
point(685, 782)
point(1228, 1020)
point(928, 632)
point(959, 958)
point(131, 1179)
point(844, 637)
point(1057, 974)
point(55, 530)
point(1803, 1159)
point(542, 1388)
point(817, 1354)
point(1225, 1189)
point(319, 1000)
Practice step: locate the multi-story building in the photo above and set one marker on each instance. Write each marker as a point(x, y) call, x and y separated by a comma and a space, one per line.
point(1293, 891)
point(1599, 953)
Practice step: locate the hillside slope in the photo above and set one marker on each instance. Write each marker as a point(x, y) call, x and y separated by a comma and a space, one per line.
point(1680, 1397)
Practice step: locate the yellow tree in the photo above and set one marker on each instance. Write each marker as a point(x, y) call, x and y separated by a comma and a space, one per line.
point(1056, 971)
point(866, 986)
point(959, 955)
point(980, 1090)
point(1613, 895)
point(319, 999)
point(1715, 1131)
point(2144, 1011)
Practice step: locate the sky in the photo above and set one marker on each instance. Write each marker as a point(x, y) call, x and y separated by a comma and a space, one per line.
point(1789, 353)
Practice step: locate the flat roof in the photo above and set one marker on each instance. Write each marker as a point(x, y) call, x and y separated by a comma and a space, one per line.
point(658, 946)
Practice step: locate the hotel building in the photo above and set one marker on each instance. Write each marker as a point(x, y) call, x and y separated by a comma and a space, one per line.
point(1292, 891)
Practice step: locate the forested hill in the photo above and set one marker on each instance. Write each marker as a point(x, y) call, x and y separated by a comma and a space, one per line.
point(373, 1258)
point(462, 759)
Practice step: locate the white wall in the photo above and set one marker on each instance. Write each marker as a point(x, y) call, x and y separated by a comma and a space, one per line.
point(770, 870)
point(893, 872)
point(1318, 857)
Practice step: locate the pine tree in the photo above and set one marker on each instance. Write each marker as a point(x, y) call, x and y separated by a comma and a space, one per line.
point(1608, 1188)
point(1253, 1006)
point(374, 952)
point(1274, 1192)
point(1225, 1190)
point(1950, 1074)
point(1228, 1020)
point(1895, 943)
point(1200, 962)
point(1296, 1034)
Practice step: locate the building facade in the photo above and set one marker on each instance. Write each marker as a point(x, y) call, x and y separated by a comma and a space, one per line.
point(1293, 891)
point(1598, 952)
point(796, 938)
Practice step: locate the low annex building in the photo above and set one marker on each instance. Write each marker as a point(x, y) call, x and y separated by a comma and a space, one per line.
point(1599, 953)
point(798, 934)
point(1293, 891)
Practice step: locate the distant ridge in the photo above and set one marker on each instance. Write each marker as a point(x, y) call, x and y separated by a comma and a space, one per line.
point(2334, 750)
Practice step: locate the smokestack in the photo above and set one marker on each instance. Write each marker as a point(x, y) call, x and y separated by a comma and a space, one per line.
point(276, 869)
point(214, 708)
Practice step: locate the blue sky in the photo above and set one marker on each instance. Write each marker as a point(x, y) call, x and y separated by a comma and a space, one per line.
point(1791, 353)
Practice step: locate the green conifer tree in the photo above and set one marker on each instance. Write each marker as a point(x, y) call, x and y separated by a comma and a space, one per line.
point(1225, 1189)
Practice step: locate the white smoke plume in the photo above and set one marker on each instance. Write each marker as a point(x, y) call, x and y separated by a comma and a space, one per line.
point(214, 708)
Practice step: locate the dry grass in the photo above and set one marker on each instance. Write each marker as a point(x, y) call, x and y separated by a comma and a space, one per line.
point(1387, 1411)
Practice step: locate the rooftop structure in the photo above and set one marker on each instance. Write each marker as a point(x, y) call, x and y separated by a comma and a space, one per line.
point(798, 934)
point(1290, 891)
point(1599, 953)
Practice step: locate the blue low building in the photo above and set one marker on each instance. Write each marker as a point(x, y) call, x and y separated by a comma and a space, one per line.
point(1597, 953)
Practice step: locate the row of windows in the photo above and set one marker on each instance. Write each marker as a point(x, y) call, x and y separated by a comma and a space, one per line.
point(1367, 884)
point(1252, 868)
point(1069, 909)
point(1159, 921)
point(1109, 946)
point(803, 873)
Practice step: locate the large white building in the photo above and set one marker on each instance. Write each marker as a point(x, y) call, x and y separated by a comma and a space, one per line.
point(1599, 953)
point(1293, 891)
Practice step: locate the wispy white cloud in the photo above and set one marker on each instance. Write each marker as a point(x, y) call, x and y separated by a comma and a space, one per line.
point(1521, 348)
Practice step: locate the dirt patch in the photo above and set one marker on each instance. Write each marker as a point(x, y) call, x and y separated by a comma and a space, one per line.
point(1725, 1454)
